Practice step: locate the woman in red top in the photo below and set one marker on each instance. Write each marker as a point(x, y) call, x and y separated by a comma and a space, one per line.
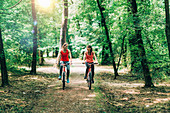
point(64, 53)
point(88, 56)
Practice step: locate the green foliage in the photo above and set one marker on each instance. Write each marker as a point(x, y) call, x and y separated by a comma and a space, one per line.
point(84, 28)
point(85, 25)
point(17, 30)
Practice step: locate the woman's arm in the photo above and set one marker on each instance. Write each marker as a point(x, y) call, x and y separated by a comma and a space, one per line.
point(84, 57)
point(70, 55)
point(58, 57)
point(95, 57)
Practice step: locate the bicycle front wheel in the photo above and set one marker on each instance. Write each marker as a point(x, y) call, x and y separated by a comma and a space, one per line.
point(63, 80)
point(89, 80)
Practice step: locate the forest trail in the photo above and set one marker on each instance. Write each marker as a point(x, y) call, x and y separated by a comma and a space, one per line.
point(43, 93)
point(107, 95)
point(76, 97)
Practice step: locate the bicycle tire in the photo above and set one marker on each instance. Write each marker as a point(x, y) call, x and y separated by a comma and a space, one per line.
point(63, 80)
point(89, 80)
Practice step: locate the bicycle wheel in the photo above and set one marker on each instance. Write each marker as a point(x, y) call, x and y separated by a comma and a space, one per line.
point(63, 80)
point(89, 80)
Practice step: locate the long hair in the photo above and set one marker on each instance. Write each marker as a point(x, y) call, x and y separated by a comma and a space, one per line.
point(91, 49)
point(64, 45)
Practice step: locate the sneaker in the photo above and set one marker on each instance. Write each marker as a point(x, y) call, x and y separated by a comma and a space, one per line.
point(59, 78)
point(85, 77)
point(68, 81)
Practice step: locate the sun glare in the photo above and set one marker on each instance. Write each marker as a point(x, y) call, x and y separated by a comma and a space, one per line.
point(44, 3)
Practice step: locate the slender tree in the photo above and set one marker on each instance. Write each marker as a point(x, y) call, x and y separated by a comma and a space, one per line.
point(34, 60)
point(105, 55)
point(132, 43)
point(64, 24)
point(167, 24)
point(40, 52)
point(125, 54)
point(4, 73)
point(141, 49)
point(122, 50)
point(47, 52)
point(103, 22)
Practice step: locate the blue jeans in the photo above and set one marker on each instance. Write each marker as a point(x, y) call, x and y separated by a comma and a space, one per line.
point(68, 68)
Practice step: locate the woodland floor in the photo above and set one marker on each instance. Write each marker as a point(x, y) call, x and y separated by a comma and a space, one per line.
point(42, 93)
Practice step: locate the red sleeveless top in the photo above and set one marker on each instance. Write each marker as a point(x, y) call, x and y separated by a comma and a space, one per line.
point(64, 56)
point(89, 58)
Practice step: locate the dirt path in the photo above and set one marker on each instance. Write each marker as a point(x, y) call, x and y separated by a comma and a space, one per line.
point(42, 93)
point(75, 98)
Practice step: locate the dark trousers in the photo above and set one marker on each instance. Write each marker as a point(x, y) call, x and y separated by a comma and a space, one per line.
point(92, 69)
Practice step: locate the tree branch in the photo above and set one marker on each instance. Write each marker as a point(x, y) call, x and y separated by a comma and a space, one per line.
point(13, 6)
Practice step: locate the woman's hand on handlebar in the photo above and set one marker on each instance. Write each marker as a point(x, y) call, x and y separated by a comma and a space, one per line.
point(96, 62)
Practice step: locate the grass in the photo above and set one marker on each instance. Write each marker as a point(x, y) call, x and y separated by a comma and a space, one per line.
point(123, 96)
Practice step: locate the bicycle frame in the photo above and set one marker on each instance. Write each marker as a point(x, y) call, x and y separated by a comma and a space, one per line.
point(64, 66)
point(89, 70)
point(64, 73)
point(89, 75)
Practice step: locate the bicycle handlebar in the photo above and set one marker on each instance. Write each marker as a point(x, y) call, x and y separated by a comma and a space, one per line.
point(64, 64)
point(91, 63)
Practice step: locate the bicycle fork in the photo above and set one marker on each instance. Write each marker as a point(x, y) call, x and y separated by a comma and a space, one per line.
point(64, 73)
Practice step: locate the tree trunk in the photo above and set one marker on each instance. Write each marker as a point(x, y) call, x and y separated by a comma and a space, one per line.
point(53, 52)
point(40, 52)
point(125, 54)
point(167, 24)
point(34, 61)
point(105, 55)
point(134, 54)
point(47, 52)
point(64, 24)
point(56, 52)
point(148, 79)
point(67, 28)
point(103, 22)
point(133, 50)
point(131, 44)
point(4, 73)
point(56, 48)
point(123, 40)
point(41, 58)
